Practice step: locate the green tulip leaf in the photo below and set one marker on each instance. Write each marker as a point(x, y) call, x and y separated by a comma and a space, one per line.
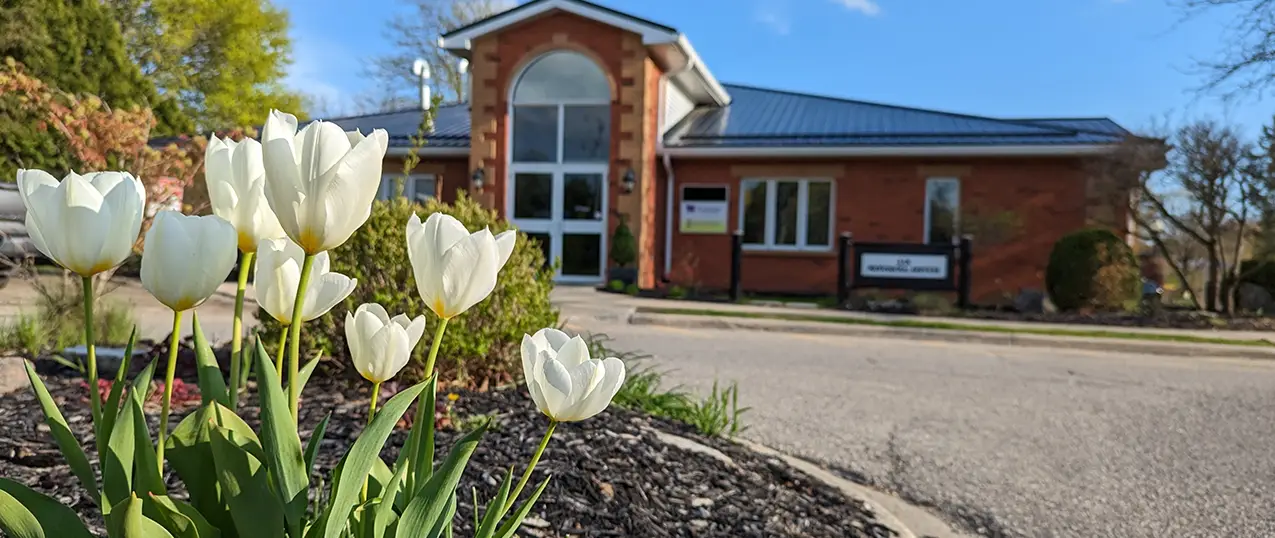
point(360, 459)
point(212, 386)
point(181, 519)
point(420, 443)
point(66, 441)
point(428, 505)
point(245, 486)
point(495, 508)
point(316, 439)
point(141, 384)
point(189, 455)
point(112, 407)
point(385, 514)
point(146, 477)
point(507, 530)
point(281, 445)
point(118, 460)
point(444, 525)
point(127, 521)
point(303, 376)
point(26, 513)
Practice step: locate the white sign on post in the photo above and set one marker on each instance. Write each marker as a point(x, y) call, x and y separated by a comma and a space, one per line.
point(915, 266)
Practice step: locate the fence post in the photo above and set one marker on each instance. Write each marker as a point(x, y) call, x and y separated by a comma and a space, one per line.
point(963, 286)
point(843, 268)
point(736, 263)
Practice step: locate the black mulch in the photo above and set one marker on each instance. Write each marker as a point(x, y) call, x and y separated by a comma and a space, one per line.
point(611, 476)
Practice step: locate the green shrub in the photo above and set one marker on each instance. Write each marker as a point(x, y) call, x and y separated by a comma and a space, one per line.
point(483, 344)
point(677, 292)
point(631, 289)
point(1259, 272)
point(1092, 269)
point(616, 285)
point(623, 245)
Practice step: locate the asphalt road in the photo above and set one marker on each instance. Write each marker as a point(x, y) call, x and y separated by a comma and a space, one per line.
point(1017, 441)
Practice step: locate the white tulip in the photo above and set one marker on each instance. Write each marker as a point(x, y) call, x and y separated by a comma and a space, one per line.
point(455, 269)
point(86, 223)
point(320, 181)
point(236, 181)
point(186, 257)
point(278, 273)
point(380, 346)
point(565, 383)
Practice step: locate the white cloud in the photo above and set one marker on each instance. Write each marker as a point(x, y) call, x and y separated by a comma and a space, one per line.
point(866, 7)
point(774, 19)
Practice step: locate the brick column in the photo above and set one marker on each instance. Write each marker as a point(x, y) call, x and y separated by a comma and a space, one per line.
point(485, 112)
point(635, 150)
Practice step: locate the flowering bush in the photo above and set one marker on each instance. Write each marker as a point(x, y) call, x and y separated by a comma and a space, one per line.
point(318, 184)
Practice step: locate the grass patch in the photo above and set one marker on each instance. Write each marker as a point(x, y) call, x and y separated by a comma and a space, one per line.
point(715, 415)
point(968, 327)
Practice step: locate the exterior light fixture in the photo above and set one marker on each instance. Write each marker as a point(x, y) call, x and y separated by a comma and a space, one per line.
point(628, 181)
point(478, 178)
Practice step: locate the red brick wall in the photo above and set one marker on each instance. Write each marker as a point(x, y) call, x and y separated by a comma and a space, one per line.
point(451, 173)
point(883, 200)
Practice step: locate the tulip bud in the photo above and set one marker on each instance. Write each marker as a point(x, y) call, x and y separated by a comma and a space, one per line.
point(278, 273)
point(186, 258)
point(455, 269)
point(565, 383)
point(236, 189)
point(380, 345)
point(87, 223)
point(321, 181)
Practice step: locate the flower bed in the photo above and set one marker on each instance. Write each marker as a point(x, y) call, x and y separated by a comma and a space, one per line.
point(612, 477)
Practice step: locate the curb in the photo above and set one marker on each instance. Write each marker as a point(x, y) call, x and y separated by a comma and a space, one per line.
point(1117, 345)
point(923, 524)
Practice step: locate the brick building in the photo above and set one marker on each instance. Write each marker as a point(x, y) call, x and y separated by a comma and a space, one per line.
point(578, 115)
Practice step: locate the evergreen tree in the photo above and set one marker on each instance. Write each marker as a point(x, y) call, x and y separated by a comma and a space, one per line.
point(76, 46)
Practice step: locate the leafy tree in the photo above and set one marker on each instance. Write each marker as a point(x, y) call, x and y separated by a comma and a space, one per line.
point(222, 60)
point(416, 36)
point(75, 46)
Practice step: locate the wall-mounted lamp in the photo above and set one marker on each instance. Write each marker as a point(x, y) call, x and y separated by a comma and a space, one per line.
point(628, 181)
point(478, 178)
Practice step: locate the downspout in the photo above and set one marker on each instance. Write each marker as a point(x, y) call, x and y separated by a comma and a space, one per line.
point(668, 173)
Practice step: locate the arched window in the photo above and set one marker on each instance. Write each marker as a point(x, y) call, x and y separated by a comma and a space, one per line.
point(561, 110)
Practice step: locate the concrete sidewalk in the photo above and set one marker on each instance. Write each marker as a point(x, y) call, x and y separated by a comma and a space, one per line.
point(590, 304)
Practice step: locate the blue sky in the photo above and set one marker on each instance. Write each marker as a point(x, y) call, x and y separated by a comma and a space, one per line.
point(1131, 60)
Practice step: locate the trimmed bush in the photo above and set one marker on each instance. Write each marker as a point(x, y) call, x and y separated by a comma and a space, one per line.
point(616, 285)
point(481, 345)
point(623, 245)
point(1092, 269)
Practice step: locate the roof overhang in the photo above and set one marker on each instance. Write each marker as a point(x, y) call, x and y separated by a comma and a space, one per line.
point(889, 151)
point(670, 48)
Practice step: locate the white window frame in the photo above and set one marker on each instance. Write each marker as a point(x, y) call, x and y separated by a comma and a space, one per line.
point(930, 186)
point(803, 210)
point(409, 185)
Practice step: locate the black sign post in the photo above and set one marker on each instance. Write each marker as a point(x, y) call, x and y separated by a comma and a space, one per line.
point(844, 243)
point(736, 264)
point(963, 289)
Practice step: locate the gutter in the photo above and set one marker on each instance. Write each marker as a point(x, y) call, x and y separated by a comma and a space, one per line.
point(890, 151)
point(667, 159)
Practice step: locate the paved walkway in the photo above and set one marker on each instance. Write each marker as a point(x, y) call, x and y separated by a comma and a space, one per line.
point(588, 301)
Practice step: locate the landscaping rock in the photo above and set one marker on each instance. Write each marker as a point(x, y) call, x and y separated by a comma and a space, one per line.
point(1033, 301)
point(612, 476)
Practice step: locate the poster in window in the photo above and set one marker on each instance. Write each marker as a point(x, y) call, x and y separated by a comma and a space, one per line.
point(704, 210)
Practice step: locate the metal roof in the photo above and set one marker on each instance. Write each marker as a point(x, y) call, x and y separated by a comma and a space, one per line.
point(767, 118)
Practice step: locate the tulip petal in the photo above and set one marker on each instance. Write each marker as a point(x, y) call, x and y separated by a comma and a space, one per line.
point(325, 292)
point(554, 338)
point(415, 331)
point(604, 389)
point(283, 185)
point(353, 183)
point(505, 245)
point(469, 272)
point(574, 352)
point(125, 223)
point(584, 377)
point(556, 387)
point(355, 343)
point(85, 226)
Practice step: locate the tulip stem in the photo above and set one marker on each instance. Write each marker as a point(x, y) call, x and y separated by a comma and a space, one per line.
point(236, 338)
point(95, 403)
point(371, 414)
point(166, 405)
point(279, 355)
point(526, 475)
point(294, 339)
point(434, 345)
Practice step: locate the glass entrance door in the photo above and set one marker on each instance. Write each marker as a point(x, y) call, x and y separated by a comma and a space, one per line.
point(564, 208)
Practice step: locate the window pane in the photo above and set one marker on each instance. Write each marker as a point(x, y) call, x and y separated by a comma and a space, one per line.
point(582, 197)
point(818, 214)
point(754, 193)
point(423, 188)
point(586, 133)
point(581, 254)
point(387, 187)
point(535, 134)
point(562, 75)
point(533, 194)
point(942, 199)
point(786, 212)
